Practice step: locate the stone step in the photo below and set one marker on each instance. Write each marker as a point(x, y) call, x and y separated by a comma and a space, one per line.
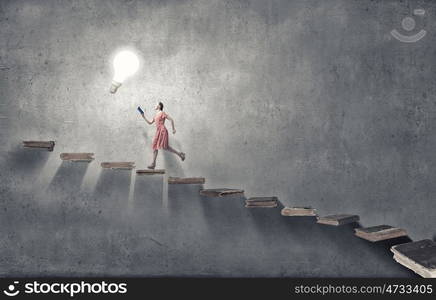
point(271, 205)
point(298, 212)
point(338, 220)
point(220, 192)
point(118, 165)
point(186, 180)
point(262, 202)
point(150, 171)
point(49, 145)
point(418, 256)
point(379, 233)
point(261, 199)
point(77, 157)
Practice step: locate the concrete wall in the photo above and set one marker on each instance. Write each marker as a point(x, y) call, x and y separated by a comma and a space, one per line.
point(63, 232)
point(312, 101)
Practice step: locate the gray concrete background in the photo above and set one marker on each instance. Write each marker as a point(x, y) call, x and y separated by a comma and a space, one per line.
point(312, 101)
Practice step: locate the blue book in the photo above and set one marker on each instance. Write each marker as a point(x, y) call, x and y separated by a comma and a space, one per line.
point(140, 110)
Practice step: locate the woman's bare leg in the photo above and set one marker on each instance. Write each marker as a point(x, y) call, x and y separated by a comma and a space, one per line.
point(153, 164)
point(179, 154)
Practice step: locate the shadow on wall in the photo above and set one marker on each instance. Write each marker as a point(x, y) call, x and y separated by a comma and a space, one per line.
point(68, 178)
point(146, 207)
point(27, 160)
point(185, 216)
point(221, 236)
point(111, 193)
point(146, 227)
point(224, 216)
point(178, 200)
point(194, 250)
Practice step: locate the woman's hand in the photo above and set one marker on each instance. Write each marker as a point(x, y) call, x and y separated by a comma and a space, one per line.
point(174, 131)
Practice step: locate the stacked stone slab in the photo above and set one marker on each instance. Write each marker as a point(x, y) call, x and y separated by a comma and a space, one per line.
point(298, 212)
point(150, 172)
point(379, 233)
point(118, 165)
point(187, 180)
point(338, 220)
point(418, 256)
point(261, 202)
point(77, 157)
point(47, 145)
point(223, 192)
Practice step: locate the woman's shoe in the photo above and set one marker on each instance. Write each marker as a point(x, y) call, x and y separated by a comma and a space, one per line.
point(182, 156)
point(152, 166)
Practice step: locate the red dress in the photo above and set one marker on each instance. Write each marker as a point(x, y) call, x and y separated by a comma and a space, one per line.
point(160, 140)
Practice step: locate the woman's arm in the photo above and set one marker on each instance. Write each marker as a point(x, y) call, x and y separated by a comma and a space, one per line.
point(172, 123)
point(149, 122)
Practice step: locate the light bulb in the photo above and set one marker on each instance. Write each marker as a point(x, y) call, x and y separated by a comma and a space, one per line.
point(126, 63)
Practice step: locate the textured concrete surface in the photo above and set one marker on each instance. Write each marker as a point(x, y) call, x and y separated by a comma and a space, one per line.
point(109, 233)
point(312, 101)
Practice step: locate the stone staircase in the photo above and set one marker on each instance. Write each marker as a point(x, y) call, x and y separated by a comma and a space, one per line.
point(419, 256)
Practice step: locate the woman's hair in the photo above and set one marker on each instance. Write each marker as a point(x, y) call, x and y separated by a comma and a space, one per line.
point(160, 105)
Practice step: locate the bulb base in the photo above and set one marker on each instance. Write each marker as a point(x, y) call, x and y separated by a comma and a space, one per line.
point(114, 86)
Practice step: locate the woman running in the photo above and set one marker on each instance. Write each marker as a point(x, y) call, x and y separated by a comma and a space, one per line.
point(160, 140)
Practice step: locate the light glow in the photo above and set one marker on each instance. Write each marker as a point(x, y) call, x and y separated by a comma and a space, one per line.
point(126, 63)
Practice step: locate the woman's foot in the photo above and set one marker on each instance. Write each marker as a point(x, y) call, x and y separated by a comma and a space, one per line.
point(182, 156)
point(152, 166)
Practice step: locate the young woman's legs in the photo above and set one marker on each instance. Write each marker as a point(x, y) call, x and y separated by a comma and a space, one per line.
point(179, 154)
point(153, 164)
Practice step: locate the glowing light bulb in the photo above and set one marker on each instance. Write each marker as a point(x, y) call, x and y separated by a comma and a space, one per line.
point(126, 63)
